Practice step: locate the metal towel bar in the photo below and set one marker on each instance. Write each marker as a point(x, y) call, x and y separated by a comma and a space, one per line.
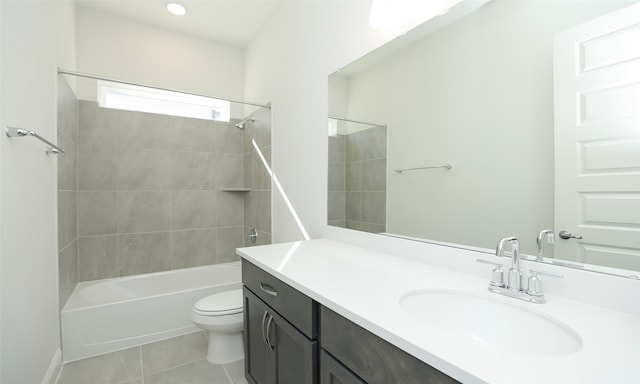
point(52, 149)
point(447, 166)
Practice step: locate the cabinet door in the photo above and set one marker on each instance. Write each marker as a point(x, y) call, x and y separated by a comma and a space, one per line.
point(275, 351)
point(332, 372)
point(295, 355)
point(259, 359)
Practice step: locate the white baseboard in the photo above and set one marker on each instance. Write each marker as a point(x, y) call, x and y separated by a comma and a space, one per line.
point(51, 377)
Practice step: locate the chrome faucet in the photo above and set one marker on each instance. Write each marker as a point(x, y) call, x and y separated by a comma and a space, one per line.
point(513, 287)
point(551, 238)
point(514, 279)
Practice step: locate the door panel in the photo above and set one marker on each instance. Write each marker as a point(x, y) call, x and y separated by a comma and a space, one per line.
point(597, 140)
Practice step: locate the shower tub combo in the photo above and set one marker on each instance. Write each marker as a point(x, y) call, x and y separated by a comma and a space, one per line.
point(113, 314)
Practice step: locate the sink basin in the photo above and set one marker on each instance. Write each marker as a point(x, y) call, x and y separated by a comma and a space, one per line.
point(498, 325)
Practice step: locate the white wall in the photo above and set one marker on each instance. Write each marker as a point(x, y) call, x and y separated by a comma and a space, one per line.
point(115, 47)
point(30, 337)
point(288, 63)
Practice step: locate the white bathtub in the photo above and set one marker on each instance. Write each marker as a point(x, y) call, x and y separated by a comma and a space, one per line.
point(113, 314)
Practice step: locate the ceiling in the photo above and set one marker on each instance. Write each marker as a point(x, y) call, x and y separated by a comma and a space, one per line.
point(233, 22)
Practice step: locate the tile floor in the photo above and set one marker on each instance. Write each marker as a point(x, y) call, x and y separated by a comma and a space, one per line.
point(178, 360)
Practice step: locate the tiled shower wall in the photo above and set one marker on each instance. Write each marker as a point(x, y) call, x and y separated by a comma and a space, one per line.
point(257, 202)
point(150, 192)
point(357, 180)
point(140, 192)
point(67, 193)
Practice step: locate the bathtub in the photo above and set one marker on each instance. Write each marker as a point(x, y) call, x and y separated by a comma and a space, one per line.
point(113, 314)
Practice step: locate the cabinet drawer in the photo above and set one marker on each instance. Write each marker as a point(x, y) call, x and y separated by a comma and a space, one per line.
point(296, 307)
point(373, 359)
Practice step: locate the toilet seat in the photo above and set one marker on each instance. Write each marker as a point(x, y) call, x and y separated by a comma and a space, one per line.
point(220, 304)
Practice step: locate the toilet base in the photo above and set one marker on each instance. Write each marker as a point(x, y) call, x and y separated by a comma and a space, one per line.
point(225, 348)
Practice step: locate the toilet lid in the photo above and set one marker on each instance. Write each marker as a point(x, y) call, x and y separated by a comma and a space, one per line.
point(222, 303)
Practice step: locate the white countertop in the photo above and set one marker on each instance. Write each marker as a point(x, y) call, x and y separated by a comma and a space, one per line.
point(365, 287)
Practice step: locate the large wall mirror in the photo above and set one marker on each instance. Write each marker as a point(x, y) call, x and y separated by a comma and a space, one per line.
point(447, 135)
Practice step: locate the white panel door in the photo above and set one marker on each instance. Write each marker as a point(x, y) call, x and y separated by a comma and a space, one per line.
point(597, 140)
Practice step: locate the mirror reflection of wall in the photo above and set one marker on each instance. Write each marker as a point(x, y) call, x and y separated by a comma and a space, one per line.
point(478, 94)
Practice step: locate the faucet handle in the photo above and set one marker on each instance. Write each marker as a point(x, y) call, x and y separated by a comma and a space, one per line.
point(497, 275)
point(534, 287)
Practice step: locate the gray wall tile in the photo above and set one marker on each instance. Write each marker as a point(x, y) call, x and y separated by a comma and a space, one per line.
point(229, 170)
point(144, 211)
point(97, 213)
point(67, 220)
point(373, 207)
point(143, 174)
point(261, 176)
point(193, 170)
point(67, 271)
point(229, 138)
point(97, 167)
point(193, 248)
point(336, 179)
point(195, 135)
point(230, 209)
point(98, 257)
point(143, 169)
point(193, 209)
point(144, 253)
point(353, 206)
point(67, 163)
point(374, 175)
point(337, 149)
point(353, 176)
point(100, 126)
point(149, 131)
point(336, 206)
point(229, 238)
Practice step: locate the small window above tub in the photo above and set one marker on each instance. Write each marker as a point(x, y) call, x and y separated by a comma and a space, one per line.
point(152, 100)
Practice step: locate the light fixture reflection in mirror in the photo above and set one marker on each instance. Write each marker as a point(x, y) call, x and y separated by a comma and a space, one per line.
point(477, 93)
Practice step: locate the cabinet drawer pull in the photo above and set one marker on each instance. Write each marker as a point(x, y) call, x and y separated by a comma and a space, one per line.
point(264, 337)
point(269, 344)
point(268, 289)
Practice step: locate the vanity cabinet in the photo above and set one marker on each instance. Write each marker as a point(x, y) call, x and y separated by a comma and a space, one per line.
point(332, 372)
point(280, 331)
point(285, 329)
point(356, 351)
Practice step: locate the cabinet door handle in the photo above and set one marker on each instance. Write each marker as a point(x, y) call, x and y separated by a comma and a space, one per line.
point(269, 322)
point(268, 289)
point(264, 317)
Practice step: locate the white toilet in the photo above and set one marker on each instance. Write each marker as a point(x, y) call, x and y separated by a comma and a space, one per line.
point(220, 315)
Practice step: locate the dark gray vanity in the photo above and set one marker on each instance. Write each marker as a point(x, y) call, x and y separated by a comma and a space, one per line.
point(291, 339)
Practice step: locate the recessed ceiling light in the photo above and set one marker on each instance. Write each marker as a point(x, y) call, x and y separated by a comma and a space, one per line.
point(176, 9)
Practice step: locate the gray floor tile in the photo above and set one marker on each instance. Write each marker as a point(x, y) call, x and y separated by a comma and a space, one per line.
point(201, 372)
point(236, 372)
point(113, 368)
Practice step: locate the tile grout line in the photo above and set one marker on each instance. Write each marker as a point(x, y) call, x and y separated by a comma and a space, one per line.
point(141, 365)
point(227, 373)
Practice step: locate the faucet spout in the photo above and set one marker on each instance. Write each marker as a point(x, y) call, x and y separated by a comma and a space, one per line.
point(514, 281)
point(551, 238)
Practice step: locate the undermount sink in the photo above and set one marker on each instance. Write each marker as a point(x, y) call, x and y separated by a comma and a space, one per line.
point(501, 326)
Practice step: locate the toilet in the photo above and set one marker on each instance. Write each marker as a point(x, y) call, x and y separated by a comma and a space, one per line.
point(220, 315)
